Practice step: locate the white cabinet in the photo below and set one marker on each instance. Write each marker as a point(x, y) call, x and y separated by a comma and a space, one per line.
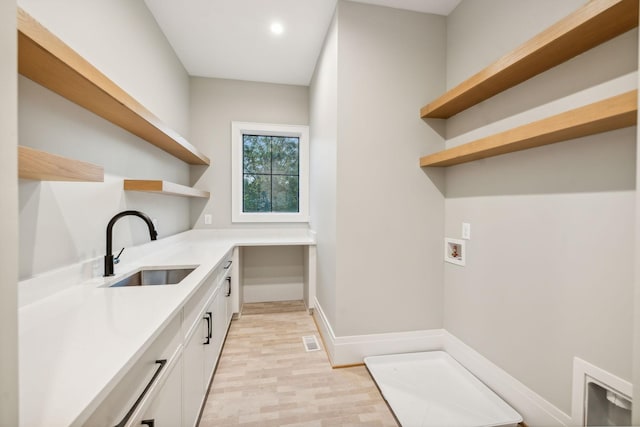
point(197, 338)
point(156, 375)
point(166, 409)
point(206, 326)
point(213, 347)
point(193, 378)
point(167, 386)
point(222, 307)
point(230, 286)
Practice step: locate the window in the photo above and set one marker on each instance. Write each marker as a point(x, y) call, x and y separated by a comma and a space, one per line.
point(270, 172)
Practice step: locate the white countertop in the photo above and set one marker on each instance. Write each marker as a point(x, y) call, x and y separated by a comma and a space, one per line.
point(77, 338)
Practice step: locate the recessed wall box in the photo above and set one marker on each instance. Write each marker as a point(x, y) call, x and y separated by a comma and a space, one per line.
point(599, 398)
point(455, 251)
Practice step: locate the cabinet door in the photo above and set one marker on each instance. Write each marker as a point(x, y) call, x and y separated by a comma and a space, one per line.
point(166, 408)
point(124, 402)
point(211, 349)
point(221, 326)
point(193, 375)
point(229, 285)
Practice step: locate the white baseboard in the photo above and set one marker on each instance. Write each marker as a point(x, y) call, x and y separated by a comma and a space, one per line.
point(350, 350)
point(326, 332)
point(353, 349)
point(272, 292)
point(535, 410)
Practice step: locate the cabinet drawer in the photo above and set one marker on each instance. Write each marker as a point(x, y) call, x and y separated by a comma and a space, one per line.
point(195, 306)
point(225, 267)
point(222, 269)
point(145, 375)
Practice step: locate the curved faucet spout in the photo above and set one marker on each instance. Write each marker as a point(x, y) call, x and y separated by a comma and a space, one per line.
point(108, 258)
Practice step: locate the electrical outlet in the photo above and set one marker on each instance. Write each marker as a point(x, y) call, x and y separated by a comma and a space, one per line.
point(466, 231)
point(207, 219)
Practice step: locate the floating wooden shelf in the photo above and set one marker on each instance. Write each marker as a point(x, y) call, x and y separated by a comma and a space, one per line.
point(45, 59)
point(589, 26)
point(609, 114)
point(42, 166)
point(163, 187)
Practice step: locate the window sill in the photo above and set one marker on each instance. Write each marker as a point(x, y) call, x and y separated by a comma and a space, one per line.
point(270, 217)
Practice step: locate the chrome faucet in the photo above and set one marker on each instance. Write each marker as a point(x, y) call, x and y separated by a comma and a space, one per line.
point(109, 260)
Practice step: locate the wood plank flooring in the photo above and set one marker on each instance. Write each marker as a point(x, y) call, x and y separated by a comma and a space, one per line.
point(265, 377)
point(272, 307)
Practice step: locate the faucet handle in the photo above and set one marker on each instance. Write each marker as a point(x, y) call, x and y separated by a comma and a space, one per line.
point(117, 258)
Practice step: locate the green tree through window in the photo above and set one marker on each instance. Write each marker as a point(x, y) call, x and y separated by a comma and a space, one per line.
point(271, 173)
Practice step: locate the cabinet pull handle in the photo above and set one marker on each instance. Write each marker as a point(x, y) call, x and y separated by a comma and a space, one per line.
point(228, 286)
point(150, 423)
point(124, 421)
point(226, 267)
point(209, 318)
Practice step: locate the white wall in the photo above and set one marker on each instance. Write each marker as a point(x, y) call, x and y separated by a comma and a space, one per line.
point(215, 103)
point(9, 217)
point(549, 273)
point(269, 274)
point(122, 40)
point(323, 105)
point(273, 273)
point(468, 55)
point(388, 212)
point(64, 223)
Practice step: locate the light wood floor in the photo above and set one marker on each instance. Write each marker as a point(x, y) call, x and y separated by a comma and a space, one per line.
point(266, 378)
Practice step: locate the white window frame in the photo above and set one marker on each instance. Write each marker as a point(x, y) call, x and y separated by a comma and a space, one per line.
point(238, 129)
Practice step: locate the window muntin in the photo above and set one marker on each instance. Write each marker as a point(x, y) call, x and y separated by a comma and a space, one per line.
point(271, 173)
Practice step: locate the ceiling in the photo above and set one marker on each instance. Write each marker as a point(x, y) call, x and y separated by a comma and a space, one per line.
point(231, 39)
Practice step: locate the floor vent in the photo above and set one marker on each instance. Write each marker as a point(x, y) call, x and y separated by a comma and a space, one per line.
point(311, 343)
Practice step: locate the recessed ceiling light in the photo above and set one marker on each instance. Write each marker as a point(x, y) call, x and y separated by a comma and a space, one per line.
point(277, 28)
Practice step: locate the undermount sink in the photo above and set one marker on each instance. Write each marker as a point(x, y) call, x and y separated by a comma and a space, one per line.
point(152, 277)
